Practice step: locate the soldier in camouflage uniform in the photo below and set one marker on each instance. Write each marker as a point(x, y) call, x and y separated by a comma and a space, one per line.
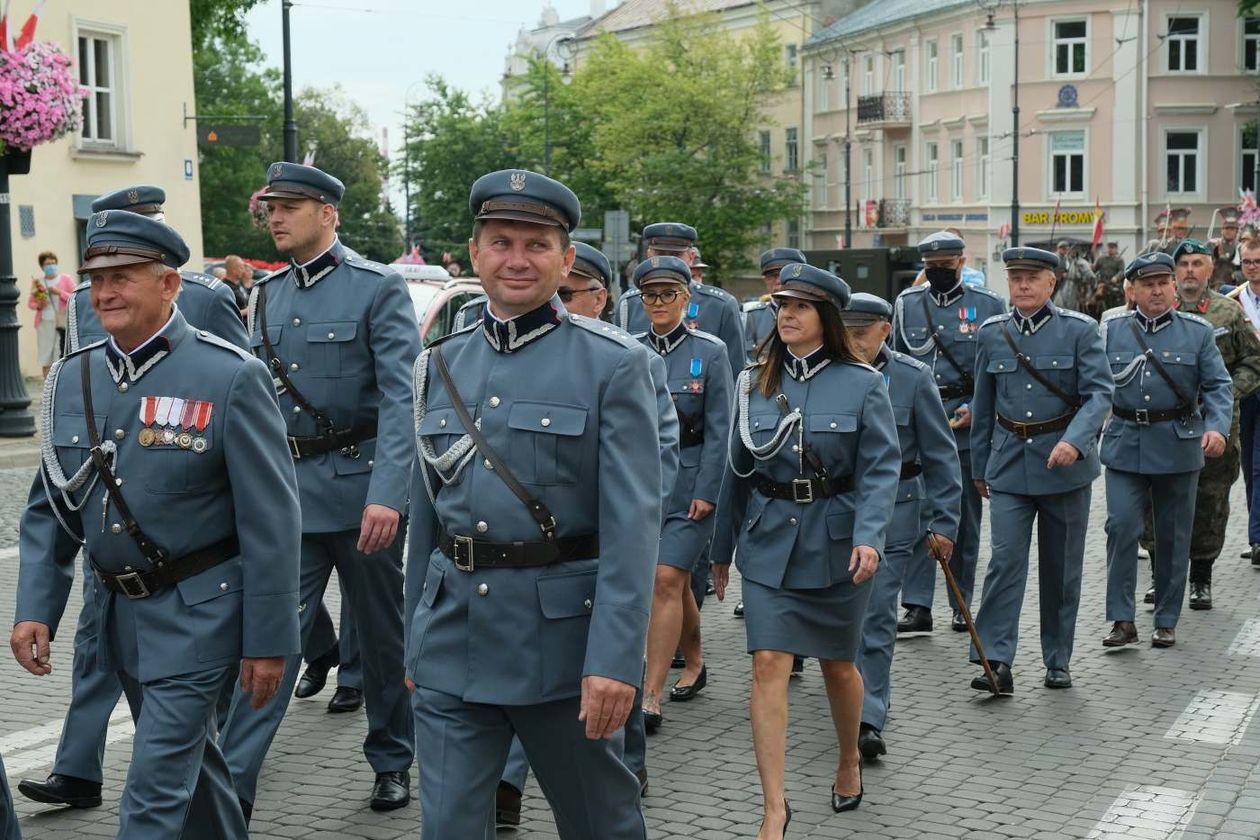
point(1109, 291)
point(1241, 351)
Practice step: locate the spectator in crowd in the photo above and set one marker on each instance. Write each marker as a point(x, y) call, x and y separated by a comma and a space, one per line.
point(236, 273)
point(455, 269)
point(50, 292)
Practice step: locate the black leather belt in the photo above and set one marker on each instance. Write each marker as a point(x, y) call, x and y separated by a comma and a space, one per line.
point(954, 392)
point(1145, 417)
point(136, 585)
point(468, 553)
point(344, 442)
point(1024, 431)
point(804, 490)
point(910, 469)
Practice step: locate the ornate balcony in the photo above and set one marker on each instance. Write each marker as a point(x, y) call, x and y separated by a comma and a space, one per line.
point(894, 213)
point(888, 109)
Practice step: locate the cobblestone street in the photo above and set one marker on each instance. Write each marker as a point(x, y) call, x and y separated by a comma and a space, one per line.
point(1148, 744)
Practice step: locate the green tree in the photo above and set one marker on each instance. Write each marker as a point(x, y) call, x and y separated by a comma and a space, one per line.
point(218, 18)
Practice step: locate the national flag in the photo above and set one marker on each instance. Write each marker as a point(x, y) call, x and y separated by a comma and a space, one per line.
point(1098, 224)
point(1058, 205)
point(4, 27)
point(28, 29)
point(1004, 230)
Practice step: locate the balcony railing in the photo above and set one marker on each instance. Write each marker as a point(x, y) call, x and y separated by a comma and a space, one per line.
point(884, 108)
point(894, 213)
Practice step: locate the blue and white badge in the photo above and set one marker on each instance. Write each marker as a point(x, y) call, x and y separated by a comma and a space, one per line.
point(693, 310)
point(695, 367)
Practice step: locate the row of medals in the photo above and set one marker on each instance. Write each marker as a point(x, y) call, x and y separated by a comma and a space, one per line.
point(170, 437)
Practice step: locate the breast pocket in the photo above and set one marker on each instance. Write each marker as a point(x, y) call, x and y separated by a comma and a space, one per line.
point(1001, 367)
point(1059, 369)
point(181, 469)
point(1183, 368)
point(72, 442)
point(1119, 361)
point(833, 437)
point(761, 427)
point(916, 335)
point(332, 348)
point(552, 449)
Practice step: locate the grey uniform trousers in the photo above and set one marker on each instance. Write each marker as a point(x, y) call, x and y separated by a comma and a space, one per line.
point(919, 588)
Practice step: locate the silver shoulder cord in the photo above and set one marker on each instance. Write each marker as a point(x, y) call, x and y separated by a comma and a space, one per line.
point(72, 324)
point(251, 310)
point(789, 423)
point(52, 471)
point(451, 463)
point(914, 349)
point(1132, 370)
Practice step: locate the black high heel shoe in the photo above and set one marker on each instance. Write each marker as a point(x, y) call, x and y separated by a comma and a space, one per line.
point(787, 820)
point(840, 804)
point(652, 721)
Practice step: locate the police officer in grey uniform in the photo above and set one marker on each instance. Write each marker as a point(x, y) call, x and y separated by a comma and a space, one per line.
point(339, 335)
point(9, 827)
point(1043, 389)
point(161, 445)
point(529, 567)
point(759, 317)
point(937, 323)
point(205, 303)
point(325, 649)
point(928, 500)
point(1173, 405)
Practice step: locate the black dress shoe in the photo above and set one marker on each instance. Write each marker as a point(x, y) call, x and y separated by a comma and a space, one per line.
point(652, 721)
point(641, 775)
point(871, 743)
point(1149, 597)
point(1122, 633)
point(1006, 682)
point(739, 610)
point(247, 808)
point(916, 622)
point(709, 590)
point(1200, 595)
point(392, 790)
point(1255, 554)
point(1164, 637)
point(841, 803)
point(683, 693)
point(507, 806)
point(63, 790)
point(959, 624)
point(1058, 678)
point(798, 666)
point(315, 677)
point(346, 699)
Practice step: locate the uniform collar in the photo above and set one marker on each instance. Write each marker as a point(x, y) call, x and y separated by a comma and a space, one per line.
point(666, 344)
point(513, 334)
point(129, 367)
point(1028, 325)
point(882, 360)
point(1152, 325)
point(802, 369)
point(948, 298)
point(308, 274)
point(1201, 307)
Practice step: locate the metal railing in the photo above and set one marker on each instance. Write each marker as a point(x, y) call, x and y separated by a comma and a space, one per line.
point(884, 107)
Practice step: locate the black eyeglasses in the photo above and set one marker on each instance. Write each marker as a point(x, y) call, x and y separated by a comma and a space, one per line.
point(668, 296)
point(1251, 263)
point(566, 294)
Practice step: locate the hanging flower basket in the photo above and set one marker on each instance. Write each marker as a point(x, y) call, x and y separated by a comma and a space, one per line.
point(40, 98)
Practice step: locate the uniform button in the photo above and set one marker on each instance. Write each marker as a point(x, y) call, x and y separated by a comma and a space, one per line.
point(223, 587)
point(1028, 386)
point(487, 464)
point(795, 448)
point(588, 603)
point(1029, 414)
point(332, 335)
point(119, 434)
point(546, 421)
point(123, 386)
point(792, 521)
point(442, 423)
point(115, 528)
point(833, 425)
point(482, 589)
point(1147, 398)
point(1029, 440)
point(940, 328)
point(74, 439)
point(293, 366)
point(371, 464)
point(494, 402)
point(1179, 358)
point(938, 376)
point(297, 322)
point(118, 482)
point(202, 333)
point(482, 527)
point(1054, 364)
point(297, 409)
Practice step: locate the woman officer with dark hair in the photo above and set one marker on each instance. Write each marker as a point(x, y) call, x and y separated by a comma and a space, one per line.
point(809, 493)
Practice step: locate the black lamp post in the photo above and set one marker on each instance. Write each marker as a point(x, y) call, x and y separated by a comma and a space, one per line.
point(15, 418)
point(563, 44)
point(991, 6)
point(290, 125)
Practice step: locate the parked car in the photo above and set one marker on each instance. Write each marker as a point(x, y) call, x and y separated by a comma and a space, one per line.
point(437, 301)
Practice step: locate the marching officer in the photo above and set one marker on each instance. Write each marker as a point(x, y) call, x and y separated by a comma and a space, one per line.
point(937, 323)
point(180, 428)
point(1225, 249)
point(326, 650)
point(531, 557)
point(205, 303)
point(339, 334)
point(711, 309)
point(584, 292)
point(929, 498)
point(759, 318)
point(1165, 365)
point(1043, 389)
point(9, 827)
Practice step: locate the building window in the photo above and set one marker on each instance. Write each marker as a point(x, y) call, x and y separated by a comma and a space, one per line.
point(1067, 162)
point(1251, 43)
point(98, 59)
point(1181, 154)
point(982, 57)
point(1247, 147)
point(820, 176)
point(899, 171)
point(933, 171)
point(982, 171)
point(791, 151)
point(1183, 44)
point(868, 173)
point(868, 75)
point(956, 60)
point(899, 70)
point(763, 138)
point(956, 170)
point(1071, 44)
point(929, 67)
point(794, 233)
point(789, 55)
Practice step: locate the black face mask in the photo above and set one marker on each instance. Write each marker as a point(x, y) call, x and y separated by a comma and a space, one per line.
point(941, 279)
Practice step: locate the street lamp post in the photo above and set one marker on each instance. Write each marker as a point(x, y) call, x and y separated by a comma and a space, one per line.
point(991, 6)
point(563, 44)
point(848, 151)
point(15, 418)
point(290, 125)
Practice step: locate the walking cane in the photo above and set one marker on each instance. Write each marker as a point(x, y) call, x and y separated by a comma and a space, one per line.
point(966, 614)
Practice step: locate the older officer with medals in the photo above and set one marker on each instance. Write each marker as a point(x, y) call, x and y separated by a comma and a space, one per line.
point(533, 542)
point(928, 500)
point(1173, 405)
point(810, 490)
point(181, 428)
point(1043, 389)
point(700, 385)
point(339, 335)
point(937, 323)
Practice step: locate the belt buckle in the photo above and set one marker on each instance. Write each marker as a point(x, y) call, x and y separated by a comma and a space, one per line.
point(293, 448)
point(802, 498)
point(1142, 416)
point(1021, 430)
point(466, 543)
point(132, 586)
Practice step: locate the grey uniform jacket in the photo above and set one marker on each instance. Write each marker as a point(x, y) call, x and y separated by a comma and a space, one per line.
point(711, 309)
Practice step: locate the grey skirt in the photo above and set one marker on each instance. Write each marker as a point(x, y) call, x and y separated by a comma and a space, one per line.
point(816, 623)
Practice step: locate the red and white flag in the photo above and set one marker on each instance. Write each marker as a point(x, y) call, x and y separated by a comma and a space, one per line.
point(28, 29)
point(4, 27)
point(1098, 224)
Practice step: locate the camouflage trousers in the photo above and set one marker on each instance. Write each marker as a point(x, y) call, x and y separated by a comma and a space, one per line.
point(1211, 513)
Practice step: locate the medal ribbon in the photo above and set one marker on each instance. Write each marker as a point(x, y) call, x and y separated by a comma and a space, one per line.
point(188, 414)
point(148, 410)
point(164, 405)
point(204, 410)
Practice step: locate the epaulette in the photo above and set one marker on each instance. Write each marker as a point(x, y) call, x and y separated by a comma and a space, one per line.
point(858, 364)
point(714, 291)
point(84, 349)
point(279, 272)
point(210, 338)
point(995, 319)
point(709, 337)
point(606, 330)
point(360, 262)
point(922, 287)
point(200, 279)
point(629, 293)
point(479, 300)
point(984, 290)
point(909, 361)
point(1198, 319)
point(1114, 315)
point(84, 285)
point(464, 330)
point(1080, 316)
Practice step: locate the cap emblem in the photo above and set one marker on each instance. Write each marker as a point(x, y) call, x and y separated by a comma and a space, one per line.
point(517, 181)
point(101, 217)
point(276, 171)
point(656, 262)
point(134, 196)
